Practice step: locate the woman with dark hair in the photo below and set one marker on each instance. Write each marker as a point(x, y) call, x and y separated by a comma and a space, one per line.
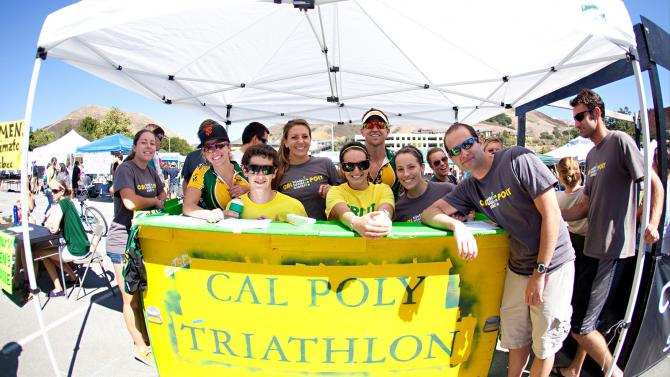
point(300, 175)
point(136, 187)
point(64, 175)
point(214, 184)
point(418, 193)
point(364, 207)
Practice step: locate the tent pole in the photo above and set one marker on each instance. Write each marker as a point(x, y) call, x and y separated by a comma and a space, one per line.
point(661, 137)
point(521, 130)
point(24, 204)
point(646, 203)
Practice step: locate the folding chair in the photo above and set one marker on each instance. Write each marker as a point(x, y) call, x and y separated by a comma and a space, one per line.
point(94, 256)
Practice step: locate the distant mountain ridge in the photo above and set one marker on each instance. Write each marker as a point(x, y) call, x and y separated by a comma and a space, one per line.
point(73, 119)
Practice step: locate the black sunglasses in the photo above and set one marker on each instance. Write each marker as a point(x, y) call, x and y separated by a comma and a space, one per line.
point(444, 159)
point(466, 145)
point(256, 169)
point(350, 166)
point(211, 147)
point(580, 116)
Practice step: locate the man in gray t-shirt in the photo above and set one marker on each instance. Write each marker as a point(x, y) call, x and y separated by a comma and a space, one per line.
point(610, 201)
point(303, 182)
point(516, 191)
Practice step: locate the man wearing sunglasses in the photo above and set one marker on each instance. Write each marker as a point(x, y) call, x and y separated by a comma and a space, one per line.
point(254, 133)
point(375, 128)
point(613, 167)
point(439, 163)
point(515, 190)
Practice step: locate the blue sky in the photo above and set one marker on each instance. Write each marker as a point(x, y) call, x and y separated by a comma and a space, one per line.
point(62, 88)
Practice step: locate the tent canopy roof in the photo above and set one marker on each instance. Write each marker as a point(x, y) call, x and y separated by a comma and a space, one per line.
point(59, 148)
point(241, 60)
point(578, 148)
point(111, 143)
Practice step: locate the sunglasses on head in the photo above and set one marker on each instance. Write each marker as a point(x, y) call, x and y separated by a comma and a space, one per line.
point(466, 145)
point(580, 116)
point(212, 147)
point(375, 124)
point(257, 169)
point(444, 159)
point(350, 166)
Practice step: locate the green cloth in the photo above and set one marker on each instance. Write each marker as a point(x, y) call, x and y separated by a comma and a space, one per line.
point(73, 231)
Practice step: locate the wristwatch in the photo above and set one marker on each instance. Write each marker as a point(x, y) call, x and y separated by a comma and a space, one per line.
point(540, 268)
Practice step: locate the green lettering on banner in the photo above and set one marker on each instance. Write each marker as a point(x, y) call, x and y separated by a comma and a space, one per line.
point(7, 256)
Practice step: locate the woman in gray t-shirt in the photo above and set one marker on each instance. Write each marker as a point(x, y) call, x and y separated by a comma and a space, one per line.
point(418, 194)
point(302, 176)
point(136, 187)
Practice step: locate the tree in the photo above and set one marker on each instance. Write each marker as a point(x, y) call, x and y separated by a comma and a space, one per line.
point(176, 144)
point(115, 121)
point(621, 125)
point(39, 138)
point(501, 119)
point(89, 128)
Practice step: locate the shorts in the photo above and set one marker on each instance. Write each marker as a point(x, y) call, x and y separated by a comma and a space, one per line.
point(594, 277)
point(544, 326)
point(116, 258)
point(67, 257)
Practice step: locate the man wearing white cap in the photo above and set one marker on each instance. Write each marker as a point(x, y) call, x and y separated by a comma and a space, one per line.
point(375, 128)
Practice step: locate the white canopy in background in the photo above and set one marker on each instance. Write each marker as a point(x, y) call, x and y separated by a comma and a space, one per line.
point(424, 62)
point(63, 147)
point(578, 148)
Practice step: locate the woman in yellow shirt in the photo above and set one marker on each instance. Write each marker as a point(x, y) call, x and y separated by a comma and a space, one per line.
point(213, 185)
point(367, 208)
point(262, 202)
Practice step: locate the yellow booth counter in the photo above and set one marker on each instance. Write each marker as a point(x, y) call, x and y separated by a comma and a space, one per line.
point(319, 300)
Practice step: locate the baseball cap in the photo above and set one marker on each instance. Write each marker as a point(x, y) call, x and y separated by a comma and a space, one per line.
point(212, 132)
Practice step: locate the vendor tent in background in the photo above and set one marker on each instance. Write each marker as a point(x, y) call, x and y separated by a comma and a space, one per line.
point(578, 148)
point(63, 147)
point(111, 143)
point(171, 157)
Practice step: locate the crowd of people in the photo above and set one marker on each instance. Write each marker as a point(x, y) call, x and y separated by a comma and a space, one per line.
point(559, 239)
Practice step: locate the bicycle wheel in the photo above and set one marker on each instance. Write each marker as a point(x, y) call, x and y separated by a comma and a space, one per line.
point(92, 217)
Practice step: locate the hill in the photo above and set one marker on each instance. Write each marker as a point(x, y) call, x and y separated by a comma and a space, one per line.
point(73, 119)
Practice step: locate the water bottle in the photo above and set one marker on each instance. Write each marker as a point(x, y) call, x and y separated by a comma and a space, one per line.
point(236, 205)
point(16, 215)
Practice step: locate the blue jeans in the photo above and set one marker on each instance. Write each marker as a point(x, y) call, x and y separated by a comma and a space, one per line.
point(50, 200)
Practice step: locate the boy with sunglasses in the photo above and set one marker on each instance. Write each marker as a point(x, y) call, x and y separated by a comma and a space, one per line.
point(260, 164)
point(375, 129)
point(515, 190)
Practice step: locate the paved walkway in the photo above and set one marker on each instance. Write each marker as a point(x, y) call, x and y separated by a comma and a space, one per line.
point(88, 336)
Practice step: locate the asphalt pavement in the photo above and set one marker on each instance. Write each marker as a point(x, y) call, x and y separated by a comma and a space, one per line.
point(88, 336)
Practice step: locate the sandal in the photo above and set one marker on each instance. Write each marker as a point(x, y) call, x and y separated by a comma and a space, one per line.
point(145, 357)
point(556, 371)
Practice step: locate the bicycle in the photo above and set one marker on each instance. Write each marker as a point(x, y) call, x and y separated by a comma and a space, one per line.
point(90, 216)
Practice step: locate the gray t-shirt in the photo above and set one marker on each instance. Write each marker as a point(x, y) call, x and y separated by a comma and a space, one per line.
point(506, 196)
point(302, 182)
point(409, 209)
point(612, 168)
point(145, 183)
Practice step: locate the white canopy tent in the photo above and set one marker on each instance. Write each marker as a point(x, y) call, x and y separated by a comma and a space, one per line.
point(424, 62)
point(65, 146)
point(578, 148)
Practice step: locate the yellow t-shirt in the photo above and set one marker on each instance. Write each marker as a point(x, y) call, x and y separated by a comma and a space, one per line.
point(360, 202)
point(276, 209)
point(215, 193)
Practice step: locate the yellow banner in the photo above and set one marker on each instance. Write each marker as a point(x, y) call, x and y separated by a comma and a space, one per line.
point(10, 145)
point(7, 260)
point(210, 311)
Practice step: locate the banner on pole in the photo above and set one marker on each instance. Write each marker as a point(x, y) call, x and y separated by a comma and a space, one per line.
point(10, 145)
point(7, 260)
